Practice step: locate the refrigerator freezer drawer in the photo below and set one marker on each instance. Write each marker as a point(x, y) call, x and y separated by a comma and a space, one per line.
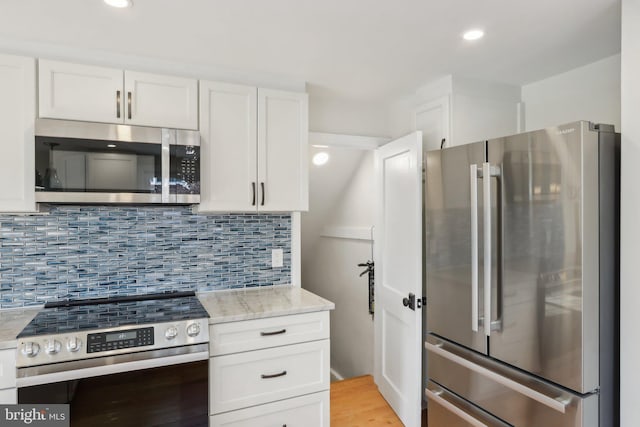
point(507, 393)
point(447, 409)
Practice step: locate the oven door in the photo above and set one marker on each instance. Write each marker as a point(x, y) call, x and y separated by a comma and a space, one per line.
point(150, 388)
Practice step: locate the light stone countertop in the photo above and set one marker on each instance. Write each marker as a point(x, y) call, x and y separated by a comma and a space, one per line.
point(12, 321)
point(256, 303)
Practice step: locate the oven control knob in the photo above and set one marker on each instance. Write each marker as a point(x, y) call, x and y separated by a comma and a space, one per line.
point(74, 344)
point(30, 349)
point(193, 330)
point(52, 347)
point(171, 332)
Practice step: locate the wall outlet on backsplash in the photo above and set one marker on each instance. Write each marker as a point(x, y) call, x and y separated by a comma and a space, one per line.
point(276, 258)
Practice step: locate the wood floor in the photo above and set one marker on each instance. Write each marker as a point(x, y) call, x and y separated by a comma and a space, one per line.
point(356, 402)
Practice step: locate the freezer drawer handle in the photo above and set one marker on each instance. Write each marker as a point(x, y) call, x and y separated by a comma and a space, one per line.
point(435, 397)
point(551, 402)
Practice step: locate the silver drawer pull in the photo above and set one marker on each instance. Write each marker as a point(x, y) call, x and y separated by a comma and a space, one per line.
point(435, 396)
point(266, 377)
point(552, 402)
point(268, 334)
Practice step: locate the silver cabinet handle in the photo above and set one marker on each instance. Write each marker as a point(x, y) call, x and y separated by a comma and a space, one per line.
point(253, 197)
point(268, 334)
point(551, 402)
point(262, 188)
point(435, 397)
point(473, 175)
point(486, 189)
point(118, 104)
point(280, 374)
point(129, 104)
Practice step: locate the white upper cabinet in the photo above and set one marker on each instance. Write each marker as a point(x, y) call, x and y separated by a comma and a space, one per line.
point(254, 149)
point(18, 111)
point(228, 147)
point(283, 131)
point(99, 94)
point(162, 101)
point(80, 92)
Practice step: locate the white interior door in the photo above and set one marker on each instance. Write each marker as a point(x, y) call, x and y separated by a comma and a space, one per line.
point(398, 261)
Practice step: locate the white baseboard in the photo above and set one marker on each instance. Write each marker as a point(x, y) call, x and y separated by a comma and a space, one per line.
point(335, 376)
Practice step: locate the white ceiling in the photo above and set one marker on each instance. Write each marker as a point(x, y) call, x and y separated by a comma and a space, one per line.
point(360, 49)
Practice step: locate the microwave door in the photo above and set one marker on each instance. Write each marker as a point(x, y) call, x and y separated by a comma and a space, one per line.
point(454, 278)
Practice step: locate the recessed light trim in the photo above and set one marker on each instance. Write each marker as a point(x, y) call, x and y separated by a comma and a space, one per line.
point(119, 3)
point(111, 145)
point(320, 158)
point(471, 35)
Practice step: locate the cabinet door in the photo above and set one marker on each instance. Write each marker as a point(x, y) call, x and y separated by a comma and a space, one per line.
point(80, 92)
point(18, 110)
point(163, 101)
point(282, 151)
point(228, 147)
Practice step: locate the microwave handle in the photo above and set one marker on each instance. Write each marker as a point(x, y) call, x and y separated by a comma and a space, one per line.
point(168, 137)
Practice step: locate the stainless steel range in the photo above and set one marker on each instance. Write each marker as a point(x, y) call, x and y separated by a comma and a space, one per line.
point(79, 339)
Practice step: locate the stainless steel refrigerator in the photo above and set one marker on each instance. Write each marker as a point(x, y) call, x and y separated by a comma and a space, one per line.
point(521, 264)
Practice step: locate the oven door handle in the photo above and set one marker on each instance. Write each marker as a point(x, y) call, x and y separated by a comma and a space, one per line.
point(67, 371)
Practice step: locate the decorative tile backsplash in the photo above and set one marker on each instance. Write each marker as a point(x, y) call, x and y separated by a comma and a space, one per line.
point(93, 251)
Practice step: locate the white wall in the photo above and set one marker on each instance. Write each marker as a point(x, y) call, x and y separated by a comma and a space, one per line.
point(630, 227)
point(343, 116)
point(341, 195)
point(591, 92)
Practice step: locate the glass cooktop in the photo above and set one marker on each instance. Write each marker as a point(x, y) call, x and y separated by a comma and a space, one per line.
point(70, 316)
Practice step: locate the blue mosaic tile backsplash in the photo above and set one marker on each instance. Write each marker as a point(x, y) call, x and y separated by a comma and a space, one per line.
point(94, 251)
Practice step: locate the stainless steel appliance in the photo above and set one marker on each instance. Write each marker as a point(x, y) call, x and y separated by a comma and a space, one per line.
point(117, 339)
point(82, 162)
point(522, 237)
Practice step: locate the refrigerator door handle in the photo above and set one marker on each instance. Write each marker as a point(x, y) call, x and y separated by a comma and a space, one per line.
point(435, 397)
point(557, 404)
point(486, 190)
point(473, 175)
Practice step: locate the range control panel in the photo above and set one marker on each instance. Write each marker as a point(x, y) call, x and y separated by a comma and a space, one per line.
point(116, 340)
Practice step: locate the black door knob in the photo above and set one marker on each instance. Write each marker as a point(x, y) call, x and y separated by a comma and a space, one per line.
point(405, 302)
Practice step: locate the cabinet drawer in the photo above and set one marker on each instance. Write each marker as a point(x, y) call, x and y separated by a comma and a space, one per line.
point(9, 396)
point(7, 368)
point(262, 376)
point(234, 337)
point(310, 411)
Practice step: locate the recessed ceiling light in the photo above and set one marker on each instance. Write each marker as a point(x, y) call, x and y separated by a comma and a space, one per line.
point(119, 3)
point(320, 158)
point(320, 146)
point(111, 145)
point(473, 35)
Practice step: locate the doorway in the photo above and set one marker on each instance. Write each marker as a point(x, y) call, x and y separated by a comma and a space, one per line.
point(336, 237)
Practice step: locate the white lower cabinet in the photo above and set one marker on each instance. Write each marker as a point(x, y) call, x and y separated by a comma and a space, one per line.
point(8, 392)
point(311, 410)
point(270, 372)
point(9, 396)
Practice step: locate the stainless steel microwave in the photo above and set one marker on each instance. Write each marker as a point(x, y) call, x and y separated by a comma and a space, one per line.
point(82, 162)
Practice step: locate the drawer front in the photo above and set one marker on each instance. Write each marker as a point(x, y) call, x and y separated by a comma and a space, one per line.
point(235, 337)
point(516, 398)
point(9, 396)
point(7, 368)
point(310, 411)
point(262, 376)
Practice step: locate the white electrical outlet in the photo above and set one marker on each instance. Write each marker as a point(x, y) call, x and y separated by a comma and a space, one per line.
point(277, 258)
